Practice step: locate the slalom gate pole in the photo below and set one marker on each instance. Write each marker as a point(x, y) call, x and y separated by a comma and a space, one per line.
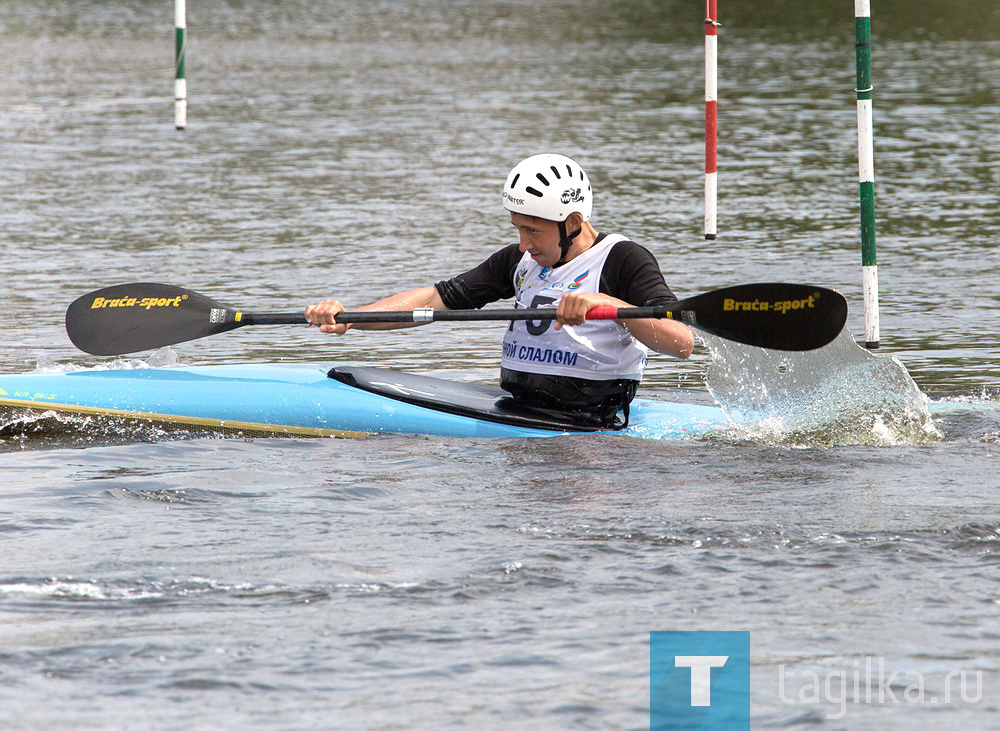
point(866, 169)
point(180, 80)
point(711, 129)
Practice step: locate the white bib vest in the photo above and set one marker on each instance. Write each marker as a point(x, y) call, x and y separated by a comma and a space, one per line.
point(599, 350)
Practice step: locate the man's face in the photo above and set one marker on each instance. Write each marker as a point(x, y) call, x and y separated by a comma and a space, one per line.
point(538, 237)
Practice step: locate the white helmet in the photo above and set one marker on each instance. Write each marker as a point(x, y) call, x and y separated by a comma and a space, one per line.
point(548, 186)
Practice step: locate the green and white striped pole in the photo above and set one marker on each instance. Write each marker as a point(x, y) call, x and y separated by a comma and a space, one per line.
point(866, 169)
point(180, 80)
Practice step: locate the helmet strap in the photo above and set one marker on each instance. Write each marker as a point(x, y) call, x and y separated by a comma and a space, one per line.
point(566, 239)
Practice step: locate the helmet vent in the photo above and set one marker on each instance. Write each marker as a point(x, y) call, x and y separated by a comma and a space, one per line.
point(514, 181)
point(534, 192)
point(542, 178)
point(555, 171)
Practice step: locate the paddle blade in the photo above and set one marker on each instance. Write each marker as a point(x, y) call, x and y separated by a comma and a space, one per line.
point(127, 318)
point(770, 315)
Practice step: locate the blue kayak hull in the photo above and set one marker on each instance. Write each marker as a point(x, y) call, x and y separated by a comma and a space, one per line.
point(290, 400)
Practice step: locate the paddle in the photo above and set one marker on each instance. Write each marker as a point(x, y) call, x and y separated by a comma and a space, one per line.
point(127, 318)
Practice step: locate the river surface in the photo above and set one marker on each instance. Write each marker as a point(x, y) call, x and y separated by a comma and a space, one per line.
point(354, 149)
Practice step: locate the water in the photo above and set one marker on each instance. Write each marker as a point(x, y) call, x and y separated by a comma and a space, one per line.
point(838, 394)
point(353, 149)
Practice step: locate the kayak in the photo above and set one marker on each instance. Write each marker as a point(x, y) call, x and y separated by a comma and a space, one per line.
point(318, 400)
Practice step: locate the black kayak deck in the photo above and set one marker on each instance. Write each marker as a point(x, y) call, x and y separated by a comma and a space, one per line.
point(475, 400)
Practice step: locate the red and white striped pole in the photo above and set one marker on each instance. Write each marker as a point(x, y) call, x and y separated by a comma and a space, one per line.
point(711, 128)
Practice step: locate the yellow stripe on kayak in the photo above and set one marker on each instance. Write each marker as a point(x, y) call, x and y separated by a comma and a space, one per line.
point(247, 428)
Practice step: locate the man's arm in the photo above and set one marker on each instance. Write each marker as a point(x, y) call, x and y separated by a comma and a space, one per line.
point(488, 282)
point(324, 313)
point(662, 335)
point(632, 278)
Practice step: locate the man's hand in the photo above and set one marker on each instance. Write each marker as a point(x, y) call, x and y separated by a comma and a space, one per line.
point(662, 335)
point(574, 306)
point(324, 314)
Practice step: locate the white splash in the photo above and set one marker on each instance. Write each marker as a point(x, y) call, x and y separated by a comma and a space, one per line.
point(161, 358)
point(838, 394)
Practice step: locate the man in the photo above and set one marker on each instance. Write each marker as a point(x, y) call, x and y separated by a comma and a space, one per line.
point(589, 370)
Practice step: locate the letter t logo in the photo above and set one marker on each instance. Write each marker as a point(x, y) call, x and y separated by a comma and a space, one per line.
point(701, 675)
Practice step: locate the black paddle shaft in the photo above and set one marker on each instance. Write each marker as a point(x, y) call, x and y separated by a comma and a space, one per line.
point(127, 318)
